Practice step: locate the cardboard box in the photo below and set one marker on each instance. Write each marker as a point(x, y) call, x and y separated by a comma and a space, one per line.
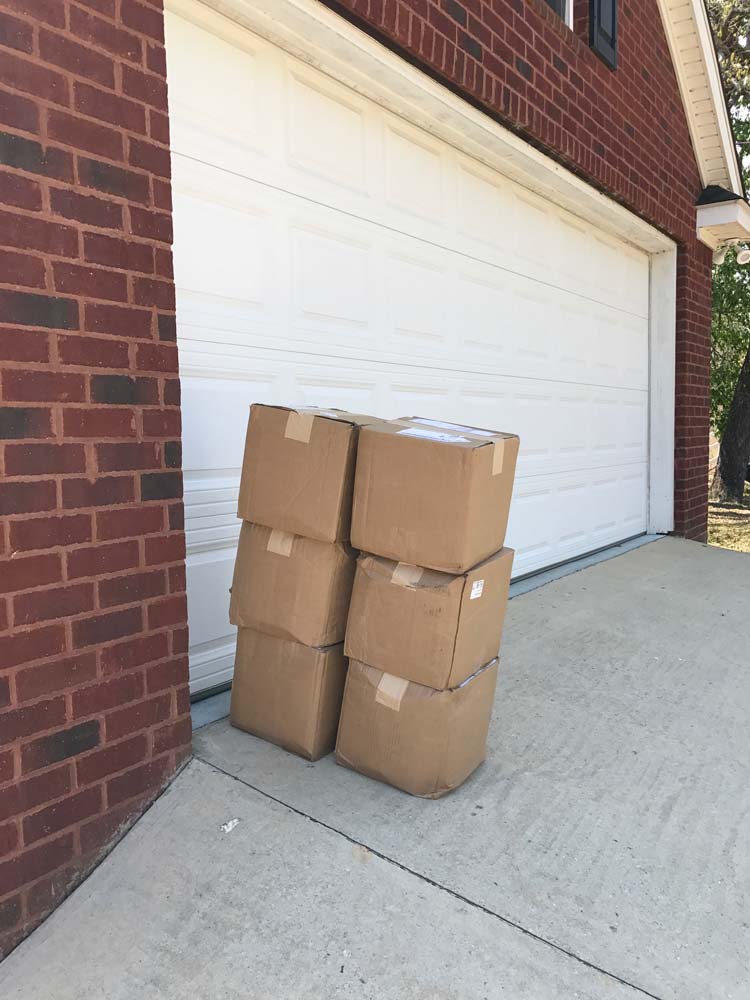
point(287, 693)
point(290, 586)
point(432, 494)
point(298, 470)
point(423, 741)
point(429, 627)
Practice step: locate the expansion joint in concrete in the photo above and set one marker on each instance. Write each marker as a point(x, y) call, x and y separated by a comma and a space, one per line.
point(437, 885)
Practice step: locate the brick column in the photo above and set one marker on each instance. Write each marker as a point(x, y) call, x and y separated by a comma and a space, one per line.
point(692, 390)
point(94, 713)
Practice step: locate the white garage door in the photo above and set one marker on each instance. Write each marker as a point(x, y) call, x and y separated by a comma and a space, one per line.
point(328, 253)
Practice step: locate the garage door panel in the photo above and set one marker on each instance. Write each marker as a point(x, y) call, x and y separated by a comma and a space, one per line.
point(554, 518)
point(415, 313)
point(412, 183)
point(213, 438)
point(332, 280)
point(562, 426)
point(336, 149)
point(211, 512)
point(329, 253)
point(227, 118)
point(484, 211)
point(339, 274)
point(240, 235)
point(212, 638)
point(517, 230)
point(415, 171)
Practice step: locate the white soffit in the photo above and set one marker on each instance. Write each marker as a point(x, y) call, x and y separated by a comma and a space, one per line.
point(316, 35)
point(694, 58)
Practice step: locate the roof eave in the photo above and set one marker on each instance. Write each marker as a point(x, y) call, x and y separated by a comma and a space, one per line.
point(687, 28)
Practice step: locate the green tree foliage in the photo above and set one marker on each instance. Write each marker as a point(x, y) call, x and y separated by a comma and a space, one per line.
point(730, 21)
point(730, 335)
point(730, 332)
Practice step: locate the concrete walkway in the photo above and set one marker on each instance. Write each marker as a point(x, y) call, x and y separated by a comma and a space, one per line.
point(602, 851)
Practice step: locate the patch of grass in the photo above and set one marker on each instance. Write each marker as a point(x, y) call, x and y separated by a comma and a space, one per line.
point(729, 524)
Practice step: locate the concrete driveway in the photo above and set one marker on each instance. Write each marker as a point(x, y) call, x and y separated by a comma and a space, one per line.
point(602, 851)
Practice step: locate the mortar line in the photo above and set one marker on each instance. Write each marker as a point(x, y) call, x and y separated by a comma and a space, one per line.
point(437, 885)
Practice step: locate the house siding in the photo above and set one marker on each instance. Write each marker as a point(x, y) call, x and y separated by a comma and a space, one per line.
point(623, 131)
point(94, 708)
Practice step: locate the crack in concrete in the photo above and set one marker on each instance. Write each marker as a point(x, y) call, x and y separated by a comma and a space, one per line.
point(437, 885)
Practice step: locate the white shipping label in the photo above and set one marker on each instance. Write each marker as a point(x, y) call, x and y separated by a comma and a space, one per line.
point(476, 589)
point(454, 427)
point(420, 432)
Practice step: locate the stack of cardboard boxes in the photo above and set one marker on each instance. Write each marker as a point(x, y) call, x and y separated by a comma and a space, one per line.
point(293, 575)
point(431, 504)
point(430, 510)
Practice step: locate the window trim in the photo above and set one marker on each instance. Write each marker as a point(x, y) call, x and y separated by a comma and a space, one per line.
point(567, 15)
point(599, 42)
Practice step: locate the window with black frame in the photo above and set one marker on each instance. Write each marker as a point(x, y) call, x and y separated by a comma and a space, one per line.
point(560, 7)
point(603, 30)
point(602, 25)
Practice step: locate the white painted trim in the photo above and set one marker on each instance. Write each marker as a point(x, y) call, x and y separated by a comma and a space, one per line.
point(321, 38)
point(722, 222)
point(694, 57)
point(662, 349)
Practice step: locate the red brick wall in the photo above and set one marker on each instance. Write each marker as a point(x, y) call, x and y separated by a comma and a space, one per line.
point(94, 713)
point(624, 131)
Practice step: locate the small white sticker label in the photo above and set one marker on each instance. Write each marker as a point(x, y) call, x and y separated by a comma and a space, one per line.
point(421, 432)
point(476, 589)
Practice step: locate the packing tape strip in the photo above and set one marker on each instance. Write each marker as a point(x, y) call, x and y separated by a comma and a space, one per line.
point(299, 426)
point(280, 542)
point(498, 456)
point(390, 691)
point(406, 575)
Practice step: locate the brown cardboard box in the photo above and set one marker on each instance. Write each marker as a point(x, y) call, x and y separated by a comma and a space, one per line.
point(287, 693)
point(432, 494)
point(424, 741)
point(298, 470)
point(290, 586)
point(428, 627)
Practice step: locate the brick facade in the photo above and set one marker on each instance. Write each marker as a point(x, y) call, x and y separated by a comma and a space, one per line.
point(94, 712)
point(625, 132)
